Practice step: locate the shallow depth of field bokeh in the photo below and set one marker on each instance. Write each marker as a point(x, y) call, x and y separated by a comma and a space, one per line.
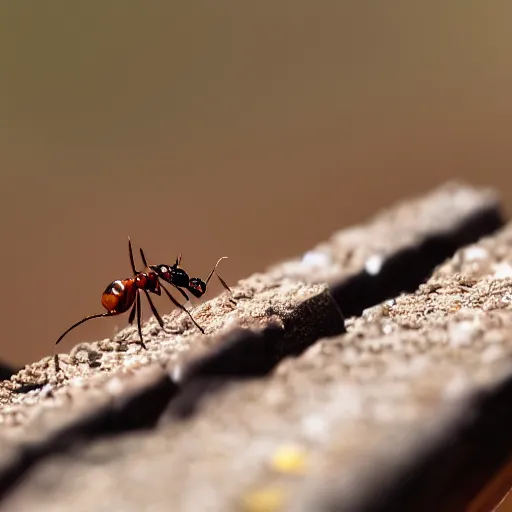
point(251, 130)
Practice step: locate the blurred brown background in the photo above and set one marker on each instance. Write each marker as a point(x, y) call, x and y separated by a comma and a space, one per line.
point(247, 129)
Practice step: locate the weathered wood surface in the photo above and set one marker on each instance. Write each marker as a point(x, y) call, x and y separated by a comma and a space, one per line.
point(328, 430)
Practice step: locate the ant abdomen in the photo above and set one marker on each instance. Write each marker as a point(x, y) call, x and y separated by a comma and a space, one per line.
point(119, 295)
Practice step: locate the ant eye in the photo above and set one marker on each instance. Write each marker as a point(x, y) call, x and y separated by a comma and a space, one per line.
point(163, 269)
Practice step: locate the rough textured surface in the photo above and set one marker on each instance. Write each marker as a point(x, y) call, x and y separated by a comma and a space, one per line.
point(347, 407)
point(327, 429)
point(350, 253)
point(260, 303)
point(111, 386)
point(251, 437)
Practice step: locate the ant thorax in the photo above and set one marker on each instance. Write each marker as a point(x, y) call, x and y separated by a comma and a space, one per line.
point(147, 281)
point(141, 280)
point(179, 276)
point(172, 274)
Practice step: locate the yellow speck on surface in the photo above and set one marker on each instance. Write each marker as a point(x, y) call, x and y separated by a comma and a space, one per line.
point(290, 459)
point(269, 499)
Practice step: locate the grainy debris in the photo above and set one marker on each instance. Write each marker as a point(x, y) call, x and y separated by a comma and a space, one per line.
point(355, 408)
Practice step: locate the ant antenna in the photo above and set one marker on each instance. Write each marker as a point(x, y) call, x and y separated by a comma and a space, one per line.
point(220, 278)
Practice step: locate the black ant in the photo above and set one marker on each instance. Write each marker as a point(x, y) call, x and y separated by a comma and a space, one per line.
point(177, 277)
point(123, 294)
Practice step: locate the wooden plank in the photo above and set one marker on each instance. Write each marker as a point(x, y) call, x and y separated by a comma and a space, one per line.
point(110, 390)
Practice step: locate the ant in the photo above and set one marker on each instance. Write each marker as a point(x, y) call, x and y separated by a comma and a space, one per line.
point(123, 294)
point(177, 277)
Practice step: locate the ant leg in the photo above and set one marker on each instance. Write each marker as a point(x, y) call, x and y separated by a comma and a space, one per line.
point(220, 278)
point(153, 308)
point(132, 314)
point(155, 312)
point(181, 291)
point(146, 263)
point(131, 255)
point(143, 258)
point(90, 317)
point(183, 308)
point(139, 327)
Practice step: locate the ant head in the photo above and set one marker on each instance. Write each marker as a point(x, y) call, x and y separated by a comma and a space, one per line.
point(196, 286)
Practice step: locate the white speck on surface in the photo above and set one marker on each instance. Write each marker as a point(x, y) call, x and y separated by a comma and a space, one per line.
point(461, 334)
point(502, 270)
point(373, 264)
point(314, 427)
point(316, 259)
point(177, 373)
point(474, 253)
point(114, 386)
point(387, 328)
